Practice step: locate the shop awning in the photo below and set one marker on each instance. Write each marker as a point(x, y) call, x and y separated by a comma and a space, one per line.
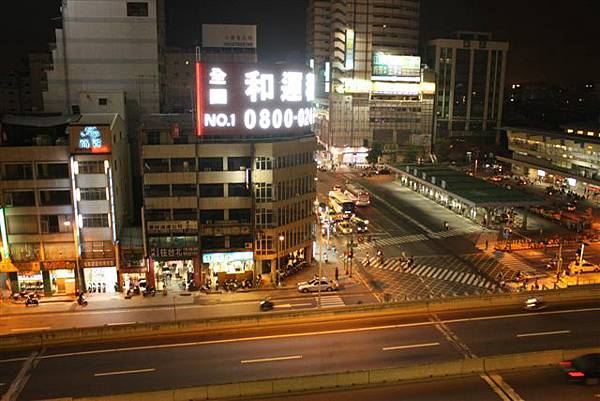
point(6, 266)
point(25, 267)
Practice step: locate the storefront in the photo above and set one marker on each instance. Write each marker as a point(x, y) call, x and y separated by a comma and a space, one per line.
point(29, 277)
point(59, 277)
point(100, 275)
point(228, 265)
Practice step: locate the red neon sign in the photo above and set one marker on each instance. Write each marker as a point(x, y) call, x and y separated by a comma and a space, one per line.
point(199, 100)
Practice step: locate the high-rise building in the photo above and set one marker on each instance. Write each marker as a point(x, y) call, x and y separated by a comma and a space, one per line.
point(106, 46)
point(370, 85)
point(65, 197)
point(470, 71)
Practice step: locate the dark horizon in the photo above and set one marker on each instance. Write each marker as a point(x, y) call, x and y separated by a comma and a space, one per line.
point(541, 50)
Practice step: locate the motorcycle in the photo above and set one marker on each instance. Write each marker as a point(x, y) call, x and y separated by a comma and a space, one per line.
point(31, 300)
point(149, 292)
point(266, 305)
point(81, 301)
point(533, 304)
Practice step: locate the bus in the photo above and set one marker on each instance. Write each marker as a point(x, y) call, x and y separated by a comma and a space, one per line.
point(358, 195)
point(341, 204)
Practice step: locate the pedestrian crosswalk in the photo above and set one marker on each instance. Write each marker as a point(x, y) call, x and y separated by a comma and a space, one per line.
point(430, 271)
point(331, 301)
point(392, 241)
point(456, 232)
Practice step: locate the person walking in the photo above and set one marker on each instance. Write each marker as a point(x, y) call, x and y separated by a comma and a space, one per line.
point(337, 273)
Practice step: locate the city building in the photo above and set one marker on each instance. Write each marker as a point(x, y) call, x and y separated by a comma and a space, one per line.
point(470, 77)
point(106, 46)
point(39, 64)
point(370, 86)
point(179, 73)
point(15, 92)
point(229, 195)
point(65, 196)
point(566, 158)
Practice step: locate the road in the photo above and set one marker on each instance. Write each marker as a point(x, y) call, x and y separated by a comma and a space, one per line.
point(292, 350)
point(530, 385)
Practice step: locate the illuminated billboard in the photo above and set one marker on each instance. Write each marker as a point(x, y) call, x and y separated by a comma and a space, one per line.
point(90, 139)
point(250, 99)
point(229, 36)
point(349, 60)
point(387, 67)
point(229, 262)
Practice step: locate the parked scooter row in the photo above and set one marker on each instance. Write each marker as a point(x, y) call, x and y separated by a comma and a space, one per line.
point(287, 271)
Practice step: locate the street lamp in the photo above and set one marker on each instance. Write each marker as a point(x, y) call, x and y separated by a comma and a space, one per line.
point(279, 246)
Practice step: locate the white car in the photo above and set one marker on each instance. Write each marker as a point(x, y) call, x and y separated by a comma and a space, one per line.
point(313, 285)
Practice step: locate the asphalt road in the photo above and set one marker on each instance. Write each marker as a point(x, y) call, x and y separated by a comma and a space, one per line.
point(531, 385)
point(301, 349)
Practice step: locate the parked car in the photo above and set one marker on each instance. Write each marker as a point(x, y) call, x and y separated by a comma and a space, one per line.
point(384, 171)
point(585, 368)
point(314, 284)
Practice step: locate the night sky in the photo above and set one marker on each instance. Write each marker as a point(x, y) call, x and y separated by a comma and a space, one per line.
point(551, 40)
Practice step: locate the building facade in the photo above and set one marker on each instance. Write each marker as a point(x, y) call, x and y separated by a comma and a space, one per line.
point(568, 158)
point(65, 195)
point(106, 46)
point(217, 209)
point(368, 78)
point(470, 77)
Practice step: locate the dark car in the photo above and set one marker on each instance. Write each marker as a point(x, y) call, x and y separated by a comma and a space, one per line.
point(266, 305)
point(585, 368)
point(384, 171)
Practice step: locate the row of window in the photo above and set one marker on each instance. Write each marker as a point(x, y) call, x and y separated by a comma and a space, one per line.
point(295, 187)
point(44, 171)
point(207, 216)
point(31, 251)
point(27, 198)
point(48, 223)
point(291, 238)
point(166, 165)
point(207, 242)
point(203, 190)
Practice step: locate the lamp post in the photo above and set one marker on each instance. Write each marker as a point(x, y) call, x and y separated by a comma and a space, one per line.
point(279, 245)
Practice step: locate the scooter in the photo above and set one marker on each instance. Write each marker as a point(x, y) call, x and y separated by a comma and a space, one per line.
point(533, 304)
point(149, 292)
point(31, 300)
point(81, 301)
point(266, 305)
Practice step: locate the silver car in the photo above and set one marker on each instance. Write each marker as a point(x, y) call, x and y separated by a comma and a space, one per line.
point(313, 285)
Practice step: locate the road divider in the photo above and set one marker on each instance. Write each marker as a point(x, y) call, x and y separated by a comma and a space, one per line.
point(45, 338)
point(361, 379)
point(124, 372)
point(543, 333)
point(273, 359)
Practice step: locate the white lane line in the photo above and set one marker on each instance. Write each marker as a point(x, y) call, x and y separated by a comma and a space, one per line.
point(291, 305)
point(124, 372)
point(273, 359)
point(306, 334)
point(31, 329)
point(544, 333)
point(121, 324)
point(397, 347)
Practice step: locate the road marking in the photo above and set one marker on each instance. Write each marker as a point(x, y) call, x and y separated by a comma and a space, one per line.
point(124, 372)
point(397, 347)
point(305, 334)
point(31, 329)
point(121, 324)
point(544, 333)
point(274, 359)
point(291, 305)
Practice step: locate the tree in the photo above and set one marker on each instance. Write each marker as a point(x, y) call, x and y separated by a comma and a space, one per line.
point(375, 153)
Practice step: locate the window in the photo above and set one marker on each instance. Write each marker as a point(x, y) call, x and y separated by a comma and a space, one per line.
point(264, 192)
point(90, 194)
point(52, 170)
point(91, 167)
point(211, 163)
point(156, 191)
point(97, 249)
point(156, 165)
point(18, 172)
point(95, 220)
point(239, 241)
point(184, 164)
point(264, 163)
point(25, 252)
point(211, 190)
point(213, 242)
point(238, 189)
point(209, 216)
point(264, 218)
point(102, 101)
point(137, 9)
point(240, 215)
point(184, 214)
point(153, 137)
point(158, 214)
point(55, 223)
point(184, 189)
point(238, 163)
point(55, 197)
point(19, 198)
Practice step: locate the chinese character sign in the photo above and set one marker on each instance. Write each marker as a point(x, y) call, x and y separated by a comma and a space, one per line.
point(250, 99)
point(89, 139)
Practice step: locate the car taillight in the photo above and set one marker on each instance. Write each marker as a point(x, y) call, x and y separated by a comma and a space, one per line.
point(566, 363)
point(576, 374)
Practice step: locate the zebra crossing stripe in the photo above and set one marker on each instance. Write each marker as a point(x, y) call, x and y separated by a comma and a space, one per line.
point(473, 277)
point(451, 278)
point(433, 273)
point(463, 277)
point(424, 272)
point(446, 274)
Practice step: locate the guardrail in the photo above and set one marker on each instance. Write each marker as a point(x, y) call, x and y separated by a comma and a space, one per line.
point(41, 339)
point(345, 380)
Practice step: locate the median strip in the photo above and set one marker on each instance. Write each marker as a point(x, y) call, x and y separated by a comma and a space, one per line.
point(543, 333)
point(31, 329)
point(124, 372)
point(397, 347)
point(274, 359)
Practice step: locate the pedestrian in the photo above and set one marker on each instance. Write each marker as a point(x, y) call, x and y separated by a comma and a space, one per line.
point(486, 244)
point(337, 273)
